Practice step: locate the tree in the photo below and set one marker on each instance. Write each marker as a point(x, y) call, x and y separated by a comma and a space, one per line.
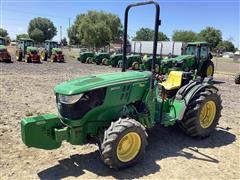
point(184, 36)
point(22, 36)
point(211, 35)
point(37, 35)
point(3, 32)
point(147, 34)
point(42, 29)
point(95, 29)
point(64, 42)
point(226, 46)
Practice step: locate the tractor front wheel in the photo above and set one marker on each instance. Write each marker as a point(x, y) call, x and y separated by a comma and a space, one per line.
point(202, 114)
point(237, 78)
point(123, 144)
point(18, 56)
point(135, 66)
point(207, 69)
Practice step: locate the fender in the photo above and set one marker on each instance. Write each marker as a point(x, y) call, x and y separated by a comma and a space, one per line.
point(185, 94)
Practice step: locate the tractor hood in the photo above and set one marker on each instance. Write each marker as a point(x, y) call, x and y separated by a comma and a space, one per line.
point(56, 50)
point(180, 58)
point(2, 47)
point(91, 82)
point(31, 49)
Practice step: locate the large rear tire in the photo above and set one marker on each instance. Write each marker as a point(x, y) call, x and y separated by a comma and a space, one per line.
point(123, 144)
point(202, 114)
point(237, 78)
point(207, 69)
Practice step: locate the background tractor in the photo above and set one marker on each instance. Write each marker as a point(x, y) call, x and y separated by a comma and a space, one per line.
point(114, 59)
point(4, 54)
point(84, 56)
point(52, 50)
point(26, 50)
point(133, 62)
point(99, 58)
point(196, 56)
point(116, 109)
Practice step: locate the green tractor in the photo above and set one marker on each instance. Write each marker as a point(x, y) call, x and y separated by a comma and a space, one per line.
point(114, 59)
point(133, 62)
point(84, 56)
point(116, 109)
point(52, 50)
point(99, 58)
point(26, 50)
point(196, 56)
point(4, 54)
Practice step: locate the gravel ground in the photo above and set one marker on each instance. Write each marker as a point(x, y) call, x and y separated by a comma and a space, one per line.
point(26, 89)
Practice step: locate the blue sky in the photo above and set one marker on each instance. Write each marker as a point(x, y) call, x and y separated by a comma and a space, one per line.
point(175, 14)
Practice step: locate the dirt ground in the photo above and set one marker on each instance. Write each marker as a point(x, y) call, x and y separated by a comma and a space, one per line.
point(26, 89)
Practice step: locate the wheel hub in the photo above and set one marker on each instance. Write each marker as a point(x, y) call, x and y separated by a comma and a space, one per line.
point(128, 147)
point(207, 114)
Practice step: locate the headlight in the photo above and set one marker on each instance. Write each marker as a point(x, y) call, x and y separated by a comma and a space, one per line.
point(69, 99)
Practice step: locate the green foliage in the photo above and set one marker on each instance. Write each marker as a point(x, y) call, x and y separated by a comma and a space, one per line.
point(41, 29)
point(226, 46)
point(95, 29)
point(146, 34)
point(3, 32)
point(22, 36)
point(184, 36)
point(37, 35)
point(211, 35)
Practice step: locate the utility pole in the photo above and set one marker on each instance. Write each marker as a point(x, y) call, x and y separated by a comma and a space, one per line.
point(60, 34)
point(69, 23)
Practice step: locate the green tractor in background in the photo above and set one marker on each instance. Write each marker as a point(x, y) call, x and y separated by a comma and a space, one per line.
point(116, 109)
point(52, 50)
point(114, 59)
point(133, 62)
point(196, 56)
point(25, 50)
point(4, 54)
point(99, 58)
point(84, 56)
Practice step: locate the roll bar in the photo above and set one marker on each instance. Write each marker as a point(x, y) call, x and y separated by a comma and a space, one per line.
point(157, 24)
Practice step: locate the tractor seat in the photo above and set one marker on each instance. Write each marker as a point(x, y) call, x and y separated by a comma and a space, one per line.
point(174, 80)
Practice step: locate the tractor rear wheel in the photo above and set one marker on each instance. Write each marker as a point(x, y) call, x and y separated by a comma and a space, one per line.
point(237, 78)
point(202, 114)
point(207, 69)
point(123, 144)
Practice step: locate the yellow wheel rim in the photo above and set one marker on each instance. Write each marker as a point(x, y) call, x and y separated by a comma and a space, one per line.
point(136, 66)
point(207, 114)
point(17, 55)
point(210, 70)
point(128, 147)
point(42, 55)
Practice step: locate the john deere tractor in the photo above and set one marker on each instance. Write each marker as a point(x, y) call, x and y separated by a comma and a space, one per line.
point(133, 62)
point(116, 109)
point(52, 50)
point(4, 54)
point(84, 56)
point(26, 50)
point(196, 56)
point(99, 58)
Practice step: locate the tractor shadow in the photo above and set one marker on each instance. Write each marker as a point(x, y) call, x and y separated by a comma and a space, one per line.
point(163, 143)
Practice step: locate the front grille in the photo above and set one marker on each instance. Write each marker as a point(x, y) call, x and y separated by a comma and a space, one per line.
point(88, 101)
